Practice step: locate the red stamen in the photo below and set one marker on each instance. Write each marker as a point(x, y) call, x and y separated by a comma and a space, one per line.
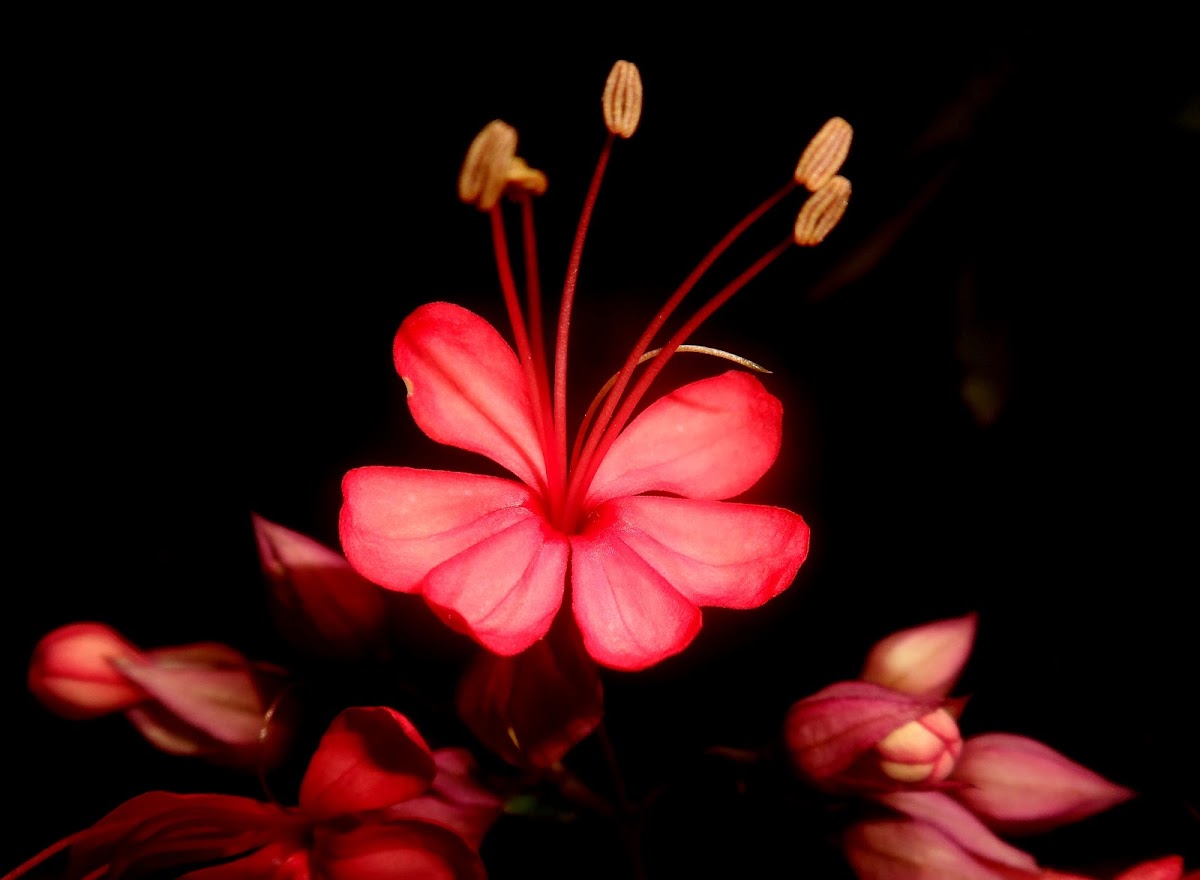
point(643, 343)
point(583, 474)
point(568, 299)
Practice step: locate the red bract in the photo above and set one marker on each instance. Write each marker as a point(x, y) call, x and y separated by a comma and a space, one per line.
point(632, 523)
point(318, 601)
point(532, 708)
point(204, 699)
point(369, 761)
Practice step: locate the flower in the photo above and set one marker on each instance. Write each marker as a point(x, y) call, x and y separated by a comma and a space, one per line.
point(204, 699)
point(633, 526)
point(370, 761)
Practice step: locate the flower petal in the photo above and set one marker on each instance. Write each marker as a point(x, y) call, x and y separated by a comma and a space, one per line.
point(504, 591)
point(711, 439)
point(368, 759)
point(1018, 785)
point(628, 613)
point(924, 660)
point(466, 388)
point(712, 552)
point(960, 824)
point(71, 672)
point(417, 850)
point(458, 800)
point(398, 524)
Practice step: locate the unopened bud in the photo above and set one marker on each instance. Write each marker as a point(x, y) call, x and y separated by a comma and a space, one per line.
point(824, 155)
point(485, 171)
point(921, 751)
point(822, 211)
point(73, 674)
point(622, 99)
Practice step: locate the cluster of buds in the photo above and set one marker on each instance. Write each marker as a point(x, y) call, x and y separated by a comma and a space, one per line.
point(939, 801)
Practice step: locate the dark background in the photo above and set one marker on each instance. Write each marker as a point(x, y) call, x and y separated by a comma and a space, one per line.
point(221, 223)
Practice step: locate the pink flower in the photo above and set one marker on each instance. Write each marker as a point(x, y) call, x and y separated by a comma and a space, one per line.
point(204, 699)
point(369, 761)
point(318, 601)
point(632, 523)
point(858, 737)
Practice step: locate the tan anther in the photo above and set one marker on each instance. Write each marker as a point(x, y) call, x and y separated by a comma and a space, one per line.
point(485, 171)
point(522, 179)
point(822, 211)
point(622, 99)
point(824, 155)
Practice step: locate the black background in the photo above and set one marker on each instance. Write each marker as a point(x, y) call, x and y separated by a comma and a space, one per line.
point(221, 223)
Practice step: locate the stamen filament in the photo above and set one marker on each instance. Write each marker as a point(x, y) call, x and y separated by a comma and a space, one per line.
point(520, 332)
point(568, 299)
point(579, 461)
point(583, 474)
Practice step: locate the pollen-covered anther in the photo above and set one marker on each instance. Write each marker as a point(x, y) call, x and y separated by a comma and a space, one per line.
point(822, 211)
point(824, 155)
point(524, 180)
point(486, 170)
point(622, 99)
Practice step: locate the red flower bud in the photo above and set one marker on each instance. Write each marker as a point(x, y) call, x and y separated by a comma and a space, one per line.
point(72, 672)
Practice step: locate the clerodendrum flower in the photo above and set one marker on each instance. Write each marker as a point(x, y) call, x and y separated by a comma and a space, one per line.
point(632, 524)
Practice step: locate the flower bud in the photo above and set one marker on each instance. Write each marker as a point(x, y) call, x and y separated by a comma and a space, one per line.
point(861, 737)
point(72, 672)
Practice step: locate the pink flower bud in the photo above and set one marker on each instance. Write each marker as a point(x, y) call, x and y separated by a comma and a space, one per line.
point(318, 601)
point(860, 737)
point(72, 672)
point(1017, 785)
point(924, 660)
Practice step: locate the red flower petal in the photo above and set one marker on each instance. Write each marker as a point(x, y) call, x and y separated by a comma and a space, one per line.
point(457, 801)
point(1018, 785)
point(506, 588)
point(398, 524)
point(412, 850)
point(711, 439)
point(278, 861)
point(466, 388)
point(368, 759)
point(905, 849)
point(712, 552)
point(629, 614)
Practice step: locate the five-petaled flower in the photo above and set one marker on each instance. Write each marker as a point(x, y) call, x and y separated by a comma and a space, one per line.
point(633, 526)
